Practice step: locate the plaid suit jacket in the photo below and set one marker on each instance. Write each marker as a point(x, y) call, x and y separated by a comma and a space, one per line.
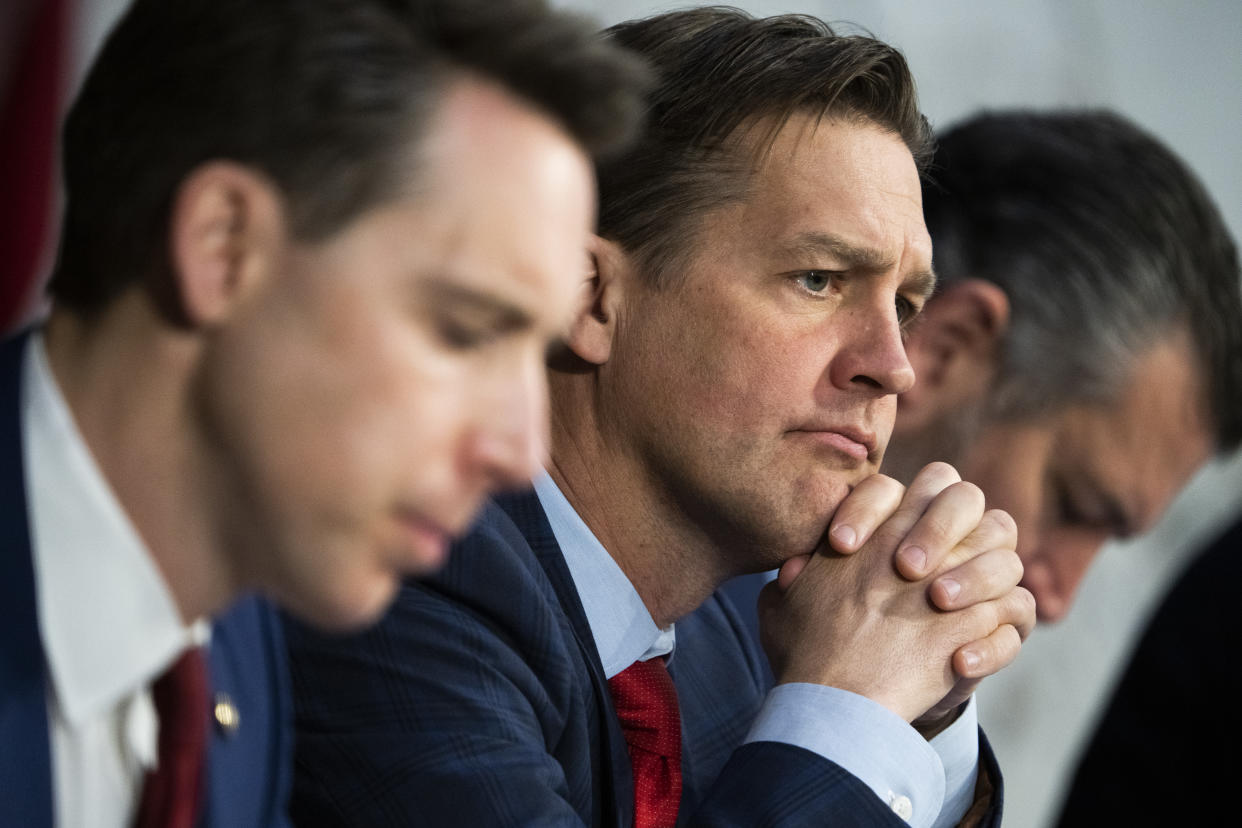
point(480, 700)
point(248, 770)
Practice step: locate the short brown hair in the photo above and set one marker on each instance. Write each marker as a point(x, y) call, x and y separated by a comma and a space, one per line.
point(322, 96)
point(717, 70)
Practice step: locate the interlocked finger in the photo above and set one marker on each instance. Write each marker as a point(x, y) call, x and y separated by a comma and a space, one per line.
point(982, 567)
point(989, 655)
point(946, 521)
point(872, 502)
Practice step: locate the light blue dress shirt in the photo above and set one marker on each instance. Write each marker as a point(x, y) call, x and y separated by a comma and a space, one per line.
point(930, 784)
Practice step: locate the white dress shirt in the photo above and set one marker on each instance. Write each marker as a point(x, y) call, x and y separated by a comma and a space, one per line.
point(929, 784)
point(107, 620)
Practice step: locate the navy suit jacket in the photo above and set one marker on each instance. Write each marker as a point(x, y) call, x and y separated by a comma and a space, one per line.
point(248, 772)
point(480, 700)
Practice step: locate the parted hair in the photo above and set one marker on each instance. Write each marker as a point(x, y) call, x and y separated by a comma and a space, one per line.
point(324, 97)
point(718, 71)
point(1103, 240)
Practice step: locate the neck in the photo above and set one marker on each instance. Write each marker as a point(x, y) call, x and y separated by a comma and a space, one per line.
point(671, 563)
point(125, 377)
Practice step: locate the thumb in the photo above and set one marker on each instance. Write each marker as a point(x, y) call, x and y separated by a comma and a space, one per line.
point(790, 570)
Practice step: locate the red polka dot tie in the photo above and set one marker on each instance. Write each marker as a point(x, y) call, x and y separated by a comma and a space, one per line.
point(646, 703)
point(172, 793)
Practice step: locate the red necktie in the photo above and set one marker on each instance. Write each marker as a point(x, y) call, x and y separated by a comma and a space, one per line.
point(173, 791)
point(646, 703)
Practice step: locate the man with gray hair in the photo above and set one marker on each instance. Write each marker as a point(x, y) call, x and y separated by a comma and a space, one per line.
point(1082, 357)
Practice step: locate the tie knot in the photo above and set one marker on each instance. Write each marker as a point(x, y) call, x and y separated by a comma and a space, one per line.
point(646, 703)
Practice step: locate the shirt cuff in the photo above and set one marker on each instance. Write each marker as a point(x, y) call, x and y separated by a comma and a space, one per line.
point(863, 737)
point(958, 748)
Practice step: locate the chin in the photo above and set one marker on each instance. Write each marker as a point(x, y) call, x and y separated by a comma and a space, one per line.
point(344, 609)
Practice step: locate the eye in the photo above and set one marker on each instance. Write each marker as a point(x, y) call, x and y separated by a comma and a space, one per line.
point(815, 281)
point(906, 310)
point(462, 336)
point(1068, 512)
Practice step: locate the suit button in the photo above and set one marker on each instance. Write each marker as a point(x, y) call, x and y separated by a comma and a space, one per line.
point(901, 806)
point(228, 718)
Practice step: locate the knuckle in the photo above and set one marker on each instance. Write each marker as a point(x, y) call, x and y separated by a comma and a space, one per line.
point(936, 527)
point(939, 470)
point(969, 492)
point(984, 618)
point(1026, 601)
point(1019, 568)
point(1002, 520)
point(871, 493)
point(1008, 644)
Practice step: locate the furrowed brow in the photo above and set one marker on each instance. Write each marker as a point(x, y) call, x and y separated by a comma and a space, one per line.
point(853, 257)
point(834, 247)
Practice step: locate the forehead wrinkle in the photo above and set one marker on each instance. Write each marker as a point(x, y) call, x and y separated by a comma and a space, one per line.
point(815, 243)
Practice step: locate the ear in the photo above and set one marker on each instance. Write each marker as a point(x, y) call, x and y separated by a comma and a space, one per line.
point(225, 230)
point(953, 349)
point(594, 325)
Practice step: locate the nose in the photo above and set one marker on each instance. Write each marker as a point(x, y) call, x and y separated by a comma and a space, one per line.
point(508, 443)
point(871, 352)
point(1054, 570)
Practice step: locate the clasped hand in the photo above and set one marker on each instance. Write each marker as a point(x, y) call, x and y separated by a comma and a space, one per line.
point(911, 601)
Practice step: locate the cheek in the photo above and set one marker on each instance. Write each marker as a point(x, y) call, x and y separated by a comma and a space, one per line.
point(752, 376)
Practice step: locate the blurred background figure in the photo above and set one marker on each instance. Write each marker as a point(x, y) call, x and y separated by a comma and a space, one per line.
point(1082, 356)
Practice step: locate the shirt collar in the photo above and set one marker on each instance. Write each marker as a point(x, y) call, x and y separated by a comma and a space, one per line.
point(623, 629)
point(107, 618)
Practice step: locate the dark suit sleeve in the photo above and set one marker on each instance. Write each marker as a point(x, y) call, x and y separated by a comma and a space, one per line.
point(766, 783)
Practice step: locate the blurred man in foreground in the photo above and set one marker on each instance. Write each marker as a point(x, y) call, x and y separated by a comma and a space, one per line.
point(312, 255)
point(726, 392)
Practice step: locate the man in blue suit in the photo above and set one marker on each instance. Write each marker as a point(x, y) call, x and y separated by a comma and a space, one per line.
point(312, 256)
point(721, 405)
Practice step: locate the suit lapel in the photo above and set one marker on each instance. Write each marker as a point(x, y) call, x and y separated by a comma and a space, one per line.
point(25, 773)
point(528, 515)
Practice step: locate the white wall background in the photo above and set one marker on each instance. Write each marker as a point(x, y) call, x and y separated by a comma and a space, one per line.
point(1175, 68)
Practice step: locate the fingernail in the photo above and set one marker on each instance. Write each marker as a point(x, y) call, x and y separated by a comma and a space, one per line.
point(845, 536)
point(951, 588)
point(971, 658)
point(915, 557)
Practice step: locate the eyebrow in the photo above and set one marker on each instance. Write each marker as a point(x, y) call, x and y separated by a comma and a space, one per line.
point(922, 283)
point(506, 315)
